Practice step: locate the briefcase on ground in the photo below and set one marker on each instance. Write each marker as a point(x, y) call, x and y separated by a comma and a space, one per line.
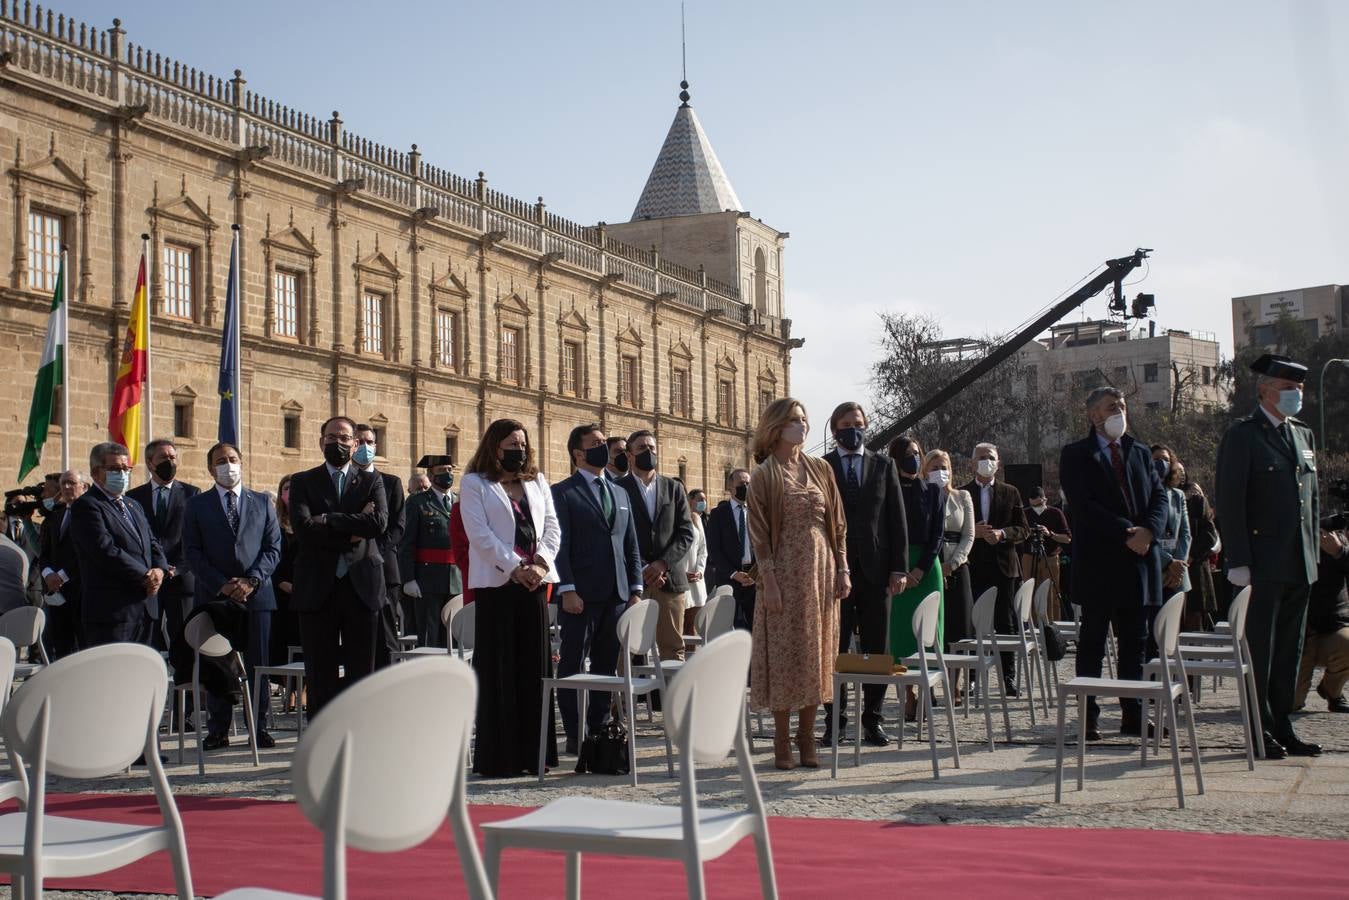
point(868, 664)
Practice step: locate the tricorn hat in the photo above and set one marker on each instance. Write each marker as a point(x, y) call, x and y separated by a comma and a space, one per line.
point(1276, 366)
point(430, 462)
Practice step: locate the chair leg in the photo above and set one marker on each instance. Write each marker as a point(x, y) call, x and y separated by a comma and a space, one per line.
point(988, 712)
point(925, 712)
point(491, 861)
point(693, 871)
point(543, 736)
point(857, 732)
point(1081, 740)
point(1194, 745)
point(632, 755)
point(1257, 726)
point(1058, 748)
point(951, 723)
point(1175, 750)
point(198, 713)
point(573, 876)
point(182, 725)
point(833, 732)
point(1244, 703)
point(1024, 674)
point(768, 882)
point(669, 748)
point(991, 670)
point(249, 716)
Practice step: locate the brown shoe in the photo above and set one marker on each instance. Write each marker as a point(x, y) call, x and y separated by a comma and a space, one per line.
point(806, 742)
point(782, 751)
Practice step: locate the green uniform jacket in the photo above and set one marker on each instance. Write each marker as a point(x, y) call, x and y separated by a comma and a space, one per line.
point(427, 527)
point(1268, 503)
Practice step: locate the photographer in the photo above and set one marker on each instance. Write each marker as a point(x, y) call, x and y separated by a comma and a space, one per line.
point(1049, 529)
point(1327, 641)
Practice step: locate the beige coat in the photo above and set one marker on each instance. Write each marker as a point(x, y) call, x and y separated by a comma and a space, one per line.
point(765, 511)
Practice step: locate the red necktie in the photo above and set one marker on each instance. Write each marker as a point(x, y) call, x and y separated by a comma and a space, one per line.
point(1117, 461)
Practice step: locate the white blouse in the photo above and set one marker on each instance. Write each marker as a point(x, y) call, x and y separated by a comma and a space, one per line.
point(959, 517)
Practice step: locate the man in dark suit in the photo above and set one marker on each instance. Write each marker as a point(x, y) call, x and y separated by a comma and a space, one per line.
point(59, 564)
point(729, 554)
point(660, 511)
point(1268, 506)
point(1000, 524)
point(163, 498)
point(339, 513)
point(121, 563)
point(599, 567)
point(878, 554)
point(232, 544)
point(426, 557)
point(1119, 506)
point(386, 637)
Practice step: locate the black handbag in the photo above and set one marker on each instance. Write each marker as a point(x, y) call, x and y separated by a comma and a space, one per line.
point(605, 753)
point(1054, 647)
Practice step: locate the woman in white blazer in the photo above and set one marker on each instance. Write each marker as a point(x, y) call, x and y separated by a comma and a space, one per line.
point(695, 561)
point(513, 538)
point(955, 551)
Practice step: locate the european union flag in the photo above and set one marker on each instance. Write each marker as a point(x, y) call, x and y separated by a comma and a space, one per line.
point(229, 353)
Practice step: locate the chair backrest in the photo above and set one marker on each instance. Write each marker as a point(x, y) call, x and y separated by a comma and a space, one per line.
point(983, 612)
point(1236, 614)
point(464, 626)
point(200, 634)
point(1024, 600)
point(9, 655)
point(720, 617)
point(385, 760)
point(451, 609)
point(103, 708)
point(703, 705)
point(925, 619)
point(1041, 603)
point(1166, 626)
point(723, 590)
point(637, 627)
point(23, 625)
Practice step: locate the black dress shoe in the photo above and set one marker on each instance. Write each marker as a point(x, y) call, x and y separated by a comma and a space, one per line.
point(1296, 747)
point(1274, 749)
point(265, 740)
point(1093, 731)
point(1009, 688)
point(875, 736)
point(1334, 704)
point(215, 741)
point(1134, 728)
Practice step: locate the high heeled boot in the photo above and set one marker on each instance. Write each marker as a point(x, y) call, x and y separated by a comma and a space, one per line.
point(805, 737)
point(782, 740)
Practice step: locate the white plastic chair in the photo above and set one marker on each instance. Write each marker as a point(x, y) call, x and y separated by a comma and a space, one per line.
point(636, 634)
point(1163, 692)
point(708, 723)
point(714, 619)
point(383, 766)
point(1232, 660)
point(451, 608)
point(9, 656)
point(1023, 646)
point(87, 715)
point(23, 626)
point(1049, 669)
point(980, 664)
point(928, 675)
point(202, 637)
point(464, 631)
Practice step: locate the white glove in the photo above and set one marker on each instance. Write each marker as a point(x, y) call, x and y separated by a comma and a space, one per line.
point(1240, 576)
point(412, 589)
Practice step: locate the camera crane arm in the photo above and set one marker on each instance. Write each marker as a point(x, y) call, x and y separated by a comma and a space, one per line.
point(1114, 273)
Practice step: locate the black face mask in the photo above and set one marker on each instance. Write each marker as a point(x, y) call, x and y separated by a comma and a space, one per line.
point(597, 456)
point(742, 492)
point(620, 462)
point(646, 461)
point(337, 455)
point(513, 460)
point(442, 480)
point(851, 438)
point(911, 463)
point(165, 469)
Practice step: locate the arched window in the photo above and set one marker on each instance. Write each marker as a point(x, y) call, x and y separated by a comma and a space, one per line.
point(760, 281)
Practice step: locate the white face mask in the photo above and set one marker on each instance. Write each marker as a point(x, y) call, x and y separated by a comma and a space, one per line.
point(987, 468)
point(1115, 426)
point(939, 477)
point(227, 475)
point(794, 433)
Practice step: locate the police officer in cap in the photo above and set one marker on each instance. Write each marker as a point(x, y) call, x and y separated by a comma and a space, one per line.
point(425, 558)
point(1269, 512)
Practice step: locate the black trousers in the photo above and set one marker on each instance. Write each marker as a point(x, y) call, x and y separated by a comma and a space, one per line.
point(984, 574)
point(1276, 623)
point(594, 632)
point(511, 656)
point(744, 604)
point(1124, 610)
point(387, 629)
point(342, 633)
point(864, 610)
point(64, 633)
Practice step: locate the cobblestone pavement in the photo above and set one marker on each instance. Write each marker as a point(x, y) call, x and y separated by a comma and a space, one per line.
point(1012, 785)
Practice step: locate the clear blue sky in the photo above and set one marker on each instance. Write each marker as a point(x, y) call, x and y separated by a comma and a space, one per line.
point(969, 159)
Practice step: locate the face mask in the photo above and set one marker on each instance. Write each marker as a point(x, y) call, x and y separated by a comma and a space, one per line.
point(620, 462)
point(363, 455)
point(442, 480)
point(337, 455)
point(1115, 426)
point(939, 477)
point(115, 481)
point(1037, 504)
point(513, 460)
point(701, 506)
point(646, 461)
point(49, 504)
point(1163, 468)
point(1290, 402)
point(227, 475)
point(742, 492)
point(986, 468)
point(597, 456)
point(851, 438)
point(911, 463)
point(165, 470)
point(794, 433)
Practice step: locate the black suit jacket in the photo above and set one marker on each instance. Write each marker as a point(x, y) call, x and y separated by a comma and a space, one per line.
point(1102, 566)
point(169, 531)
point(114, 555)
point(878, 529)
point(724, 549)
point(1005, 511)
point(312, 494)
point(57, 552)
point(393, 531)
point(669, 536)
point(598, 558)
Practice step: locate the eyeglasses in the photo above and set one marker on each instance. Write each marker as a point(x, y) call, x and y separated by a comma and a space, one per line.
point(339, 439)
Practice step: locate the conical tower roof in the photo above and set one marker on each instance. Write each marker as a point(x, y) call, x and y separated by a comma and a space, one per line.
point(687, 178)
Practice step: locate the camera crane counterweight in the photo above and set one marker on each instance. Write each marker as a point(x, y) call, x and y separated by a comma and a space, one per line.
point(1114, 273)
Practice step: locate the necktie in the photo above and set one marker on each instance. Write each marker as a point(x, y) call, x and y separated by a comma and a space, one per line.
point(740, 528)
point(445, 501)
point(854, 463)
point(1117, 463)
point(232, 512)
point(339, 481)
point(606, 500)
point(1287, 435)
point(161, 502)
point(65, 521)
point(121, 508)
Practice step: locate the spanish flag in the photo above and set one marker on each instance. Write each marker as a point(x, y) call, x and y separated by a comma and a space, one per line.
point(124, 423)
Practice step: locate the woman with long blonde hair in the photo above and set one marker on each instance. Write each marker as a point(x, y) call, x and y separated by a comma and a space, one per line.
point(799, 534)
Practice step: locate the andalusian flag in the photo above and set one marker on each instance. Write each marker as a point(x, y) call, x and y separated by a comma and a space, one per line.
point(50, 376)
point(128, 393)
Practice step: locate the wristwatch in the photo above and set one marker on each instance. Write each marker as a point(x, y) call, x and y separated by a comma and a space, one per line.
point(253, 583)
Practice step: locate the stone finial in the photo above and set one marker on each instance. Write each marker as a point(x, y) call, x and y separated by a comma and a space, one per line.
point(683, 93)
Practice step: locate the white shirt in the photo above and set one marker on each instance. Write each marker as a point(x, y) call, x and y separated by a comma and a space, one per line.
point(238, 492)
point(985, 499)
point(648, 494)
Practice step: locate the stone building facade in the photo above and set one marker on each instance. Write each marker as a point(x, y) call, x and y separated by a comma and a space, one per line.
point(373, 283)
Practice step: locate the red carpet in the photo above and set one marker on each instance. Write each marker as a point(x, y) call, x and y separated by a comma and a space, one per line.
point(269, 844)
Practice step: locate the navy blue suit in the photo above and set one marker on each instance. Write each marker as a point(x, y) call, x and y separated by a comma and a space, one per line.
point(175, 594)
point(215, 554)
point(725, 554)
point(115, 551)
point(1112, 584)
point(600, 560)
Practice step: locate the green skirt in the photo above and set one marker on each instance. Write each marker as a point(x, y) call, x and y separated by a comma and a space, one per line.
point(902, 607)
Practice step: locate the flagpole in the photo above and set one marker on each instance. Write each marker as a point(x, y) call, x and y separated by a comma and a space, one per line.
point(238, 340)
point(148, 398)
point(65, 361)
